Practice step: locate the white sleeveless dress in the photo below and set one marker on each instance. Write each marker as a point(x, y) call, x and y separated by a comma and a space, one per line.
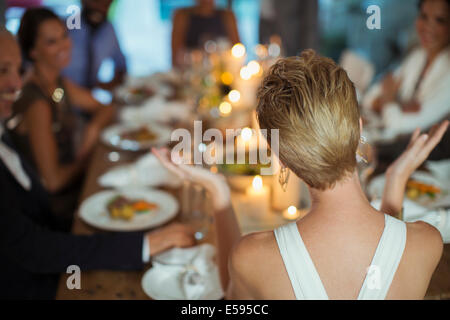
point(306, 281)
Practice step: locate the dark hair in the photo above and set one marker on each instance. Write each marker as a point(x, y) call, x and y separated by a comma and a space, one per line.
point(422, 1)
point(29, 27)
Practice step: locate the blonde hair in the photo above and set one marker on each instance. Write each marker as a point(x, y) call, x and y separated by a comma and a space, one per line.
point(313, 103)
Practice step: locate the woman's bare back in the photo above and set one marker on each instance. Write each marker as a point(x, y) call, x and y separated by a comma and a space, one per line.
point(341, 252)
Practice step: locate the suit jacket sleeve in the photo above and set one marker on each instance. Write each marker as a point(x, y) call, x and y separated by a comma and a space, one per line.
point(40, 250)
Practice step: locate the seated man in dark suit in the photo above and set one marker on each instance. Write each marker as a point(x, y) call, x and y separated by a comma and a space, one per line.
point(32, 250)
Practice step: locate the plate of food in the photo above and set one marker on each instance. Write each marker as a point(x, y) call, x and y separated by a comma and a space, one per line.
point(128, 210)
point(423, 188)
point(134, 95)
point(136, 137)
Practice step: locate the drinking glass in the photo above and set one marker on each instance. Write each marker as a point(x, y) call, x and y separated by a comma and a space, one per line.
point(196, 209)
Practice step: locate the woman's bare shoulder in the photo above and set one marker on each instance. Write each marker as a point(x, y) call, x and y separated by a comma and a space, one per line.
point(255, 243)
point(249, 264)
point(424, 243)
point(252, 251)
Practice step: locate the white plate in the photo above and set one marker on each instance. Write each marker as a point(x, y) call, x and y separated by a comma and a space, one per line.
point(112, 136)
point(163, 282)
point(376, 187)
point(94, 212)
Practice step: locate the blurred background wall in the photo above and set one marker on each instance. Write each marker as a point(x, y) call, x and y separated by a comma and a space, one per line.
point(330, 26)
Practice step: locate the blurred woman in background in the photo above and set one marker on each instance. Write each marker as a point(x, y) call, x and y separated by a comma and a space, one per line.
point(192, 27)
point(418, 94)
point(44, 124)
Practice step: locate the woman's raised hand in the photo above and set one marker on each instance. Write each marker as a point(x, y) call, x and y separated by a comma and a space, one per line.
point(418, 150)
point(214, 183)
point(398, 173)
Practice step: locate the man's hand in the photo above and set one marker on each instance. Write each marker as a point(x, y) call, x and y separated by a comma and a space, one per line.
point(173, 235)
point(398, 173)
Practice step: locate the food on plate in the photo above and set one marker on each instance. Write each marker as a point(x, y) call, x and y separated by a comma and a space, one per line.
point(141, 91)
point(142, 134)
point(121, 207)
point(415, 189)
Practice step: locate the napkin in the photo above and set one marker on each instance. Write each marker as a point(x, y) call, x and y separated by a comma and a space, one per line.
point(190, 273)
point(146, 171)
point(438, 218)
point(158, 109)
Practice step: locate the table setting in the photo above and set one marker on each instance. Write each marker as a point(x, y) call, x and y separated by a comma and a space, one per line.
point(132, 191)
point(184, 274)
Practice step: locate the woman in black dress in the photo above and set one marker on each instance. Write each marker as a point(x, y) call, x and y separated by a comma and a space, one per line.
point(44, 124)
point(192, 27)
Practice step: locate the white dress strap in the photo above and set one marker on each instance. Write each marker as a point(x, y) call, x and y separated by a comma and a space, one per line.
point(385, 261)
point(304, 278)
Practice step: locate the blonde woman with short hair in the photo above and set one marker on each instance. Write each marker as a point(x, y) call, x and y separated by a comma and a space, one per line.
point(342, 242)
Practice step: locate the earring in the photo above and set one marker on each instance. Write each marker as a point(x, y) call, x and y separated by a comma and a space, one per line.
point(359, 156)
point(283, 177)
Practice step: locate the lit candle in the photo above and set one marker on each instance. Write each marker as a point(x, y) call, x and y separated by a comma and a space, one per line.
point(225, 108)
point(254, 67)
point(291, 213)
point(238, 50)
point(235, 58)
point(245, 73)
point(258, 199)
point(246, 134)
point(234, 96)
point(247, 84)
point(246, 141)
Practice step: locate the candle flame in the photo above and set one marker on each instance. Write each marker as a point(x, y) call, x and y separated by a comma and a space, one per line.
point(257, 183)
point(292, 210)
point(245, 73)
point(254, 67)
point(238, 50)
point(234, 96)
point(225, 108)
point(246, 134)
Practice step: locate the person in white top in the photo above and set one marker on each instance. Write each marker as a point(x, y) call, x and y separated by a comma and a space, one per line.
point(343, 248)
point(417, 94)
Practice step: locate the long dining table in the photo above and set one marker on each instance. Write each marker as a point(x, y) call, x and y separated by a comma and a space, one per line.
point(113, 285)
